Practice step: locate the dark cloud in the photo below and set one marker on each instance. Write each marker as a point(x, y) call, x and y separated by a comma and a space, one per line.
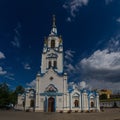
point(102, 65)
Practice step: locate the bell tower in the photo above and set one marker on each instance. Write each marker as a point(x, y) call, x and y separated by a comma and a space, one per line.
point(52, 55)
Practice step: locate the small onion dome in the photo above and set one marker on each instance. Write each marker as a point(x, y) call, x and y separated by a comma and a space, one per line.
point(65, 74)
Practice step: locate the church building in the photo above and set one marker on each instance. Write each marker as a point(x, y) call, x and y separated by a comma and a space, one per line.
point(52, 93)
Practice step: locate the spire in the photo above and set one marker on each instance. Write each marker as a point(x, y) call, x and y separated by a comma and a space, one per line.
point(54, 21)
point(54, 29)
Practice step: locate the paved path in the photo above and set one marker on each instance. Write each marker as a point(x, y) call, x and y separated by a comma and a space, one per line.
point(106, 115)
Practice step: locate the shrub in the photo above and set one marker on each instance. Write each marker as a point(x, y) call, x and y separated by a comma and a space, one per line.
point(87, 111)
point(61, 111)
point(76, 111)
point(69, 111)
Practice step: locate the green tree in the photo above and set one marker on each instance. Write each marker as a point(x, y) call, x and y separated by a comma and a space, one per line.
point(4, 94)
point(19, 90)
point(103, 97)
point(9, 97)
point(12, 98)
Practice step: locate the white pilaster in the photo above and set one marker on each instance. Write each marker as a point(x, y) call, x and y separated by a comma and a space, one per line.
point(98, 105)
point(37, 90)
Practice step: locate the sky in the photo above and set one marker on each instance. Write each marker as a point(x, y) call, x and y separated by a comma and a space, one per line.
point(90, 31)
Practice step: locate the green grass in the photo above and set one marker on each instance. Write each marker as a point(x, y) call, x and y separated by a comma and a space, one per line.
point(110, 100)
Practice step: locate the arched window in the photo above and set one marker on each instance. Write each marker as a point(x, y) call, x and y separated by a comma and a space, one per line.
point(92, 104)
point(49, 64)
point(52, 43)
point(76, 103)
point(32, 103)
point(55, 64)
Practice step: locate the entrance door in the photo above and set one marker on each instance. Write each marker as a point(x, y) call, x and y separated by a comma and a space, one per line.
point(51, 103)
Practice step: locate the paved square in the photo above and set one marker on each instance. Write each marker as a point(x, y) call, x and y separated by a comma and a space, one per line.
point(108, 114)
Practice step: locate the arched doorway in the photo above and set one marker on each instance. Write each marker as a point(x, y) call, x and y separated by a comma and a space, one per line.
point(92, 104)
point(51, 104)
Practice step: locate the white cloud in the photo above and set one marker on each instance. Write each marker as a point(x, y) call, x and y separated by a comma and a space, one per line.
point(114, 43)
point(2, 72)
point(70, 68)
point(69, 54)
point(69, 19)
point(102, 60)
point(74, 5)
point(16, 42)
point(118, 20)
point(82, 85)
point(27, 66)
point(2, 56)
point(17, 36)
point(10, 76)
point(32, 84)
point(72, 85)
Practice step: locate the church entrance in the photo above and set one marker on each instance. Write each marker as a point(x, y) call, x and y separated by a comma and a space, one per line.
point(51, 104)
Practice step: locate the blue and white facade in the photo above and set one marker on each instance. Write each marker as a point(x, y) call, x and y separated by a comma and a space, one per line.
point(52, 93)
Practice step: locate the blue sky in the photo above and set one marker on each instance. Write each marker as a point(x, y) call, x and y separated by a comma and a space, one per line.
point(90, 31)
